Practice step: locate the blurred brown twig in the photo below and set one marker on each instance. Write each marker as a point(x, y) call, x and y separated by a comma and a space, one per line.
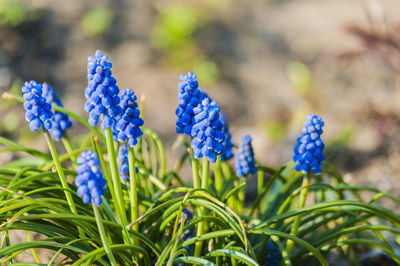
point(380, 38)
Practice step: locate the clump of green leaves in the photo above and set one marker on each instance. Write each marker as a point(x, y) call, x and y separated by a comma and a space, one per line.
point(336, 217)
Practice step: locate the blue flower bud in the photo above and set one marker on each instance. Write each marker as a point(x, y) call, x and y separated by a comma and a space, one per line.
point(129, 123)
point(272, 255)
point(90, 181)
point(207, 131)
point(101, 92)
point(227, 140)
point(245, 163)
point(308, 153)
point(38, 109)
point(189, 96)
point(123, 166)
point(60, 121)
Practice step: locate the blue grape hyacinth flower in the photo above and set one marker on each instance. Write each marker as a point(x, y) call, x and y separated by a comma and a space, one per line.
point(38, 109)
point(272, 255)
point(207, 131)
point(245, 163)
point(188, 216)
point(308, 153)
point(102, 92)
point(189, 96)
point(129, 123)
point(60, 121)
point(123, 166)
point(228, 154)
point(189, 233)
point(90, 181)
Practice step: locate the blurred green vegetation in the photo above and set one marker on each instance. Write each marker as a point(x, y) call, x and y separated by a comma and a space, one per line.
point(174, 34)
point(344, 138)
point(13, 13)
point(97, 21)
point(301, 79)
point(275, 130)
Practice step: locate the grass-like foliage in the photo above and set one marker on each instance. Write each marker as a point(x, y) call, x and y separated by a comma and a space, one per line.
point(158, 217)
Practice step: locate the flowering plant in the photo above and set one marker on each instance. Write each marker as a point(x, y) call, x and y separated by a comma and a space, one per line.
point(143, 214)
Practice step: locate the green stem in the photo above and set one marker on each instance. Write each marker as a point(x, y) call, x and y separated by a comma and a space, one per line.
point(34, 253)
point(107, 176)
point(202, 228)
point(195, 173)
point(61, 174)
point(133, 190)
point(115, 175)
point(296, 224)
point(206, 173)
point(260, 180)
point(68, 147)
point(218, 176)
point(228, 176)
point(103, 236)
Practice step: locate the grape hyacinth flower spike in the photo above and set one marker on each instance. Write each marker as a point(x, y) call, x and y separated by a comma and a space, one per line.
point(38, 109)
point(129, 123)
point(228, 154)
point(272, 255)
point(102, 92)
point(308, 153)
point(90, 181)
point(60, 121)
point(189, 96)
point(245, 163)
point(124, 163)
point(207, 131)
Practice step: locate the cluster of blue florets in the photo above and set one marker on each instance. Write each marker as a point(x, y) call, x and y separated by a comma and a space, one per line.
point(207, 131)
point(60, 121)
point(123, 166)
point(90, 181)
point(129, 123)
point(189, 95)
point(227, 141)
point(38, 109)
point(102, 92)
point(245, 163)
point(272, 255)
point(308, 153)
point(189, 233)
point(187, 216)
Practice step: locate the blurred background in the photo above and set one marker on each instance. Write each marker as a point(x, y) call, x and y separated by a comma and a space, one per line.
point(268, 64)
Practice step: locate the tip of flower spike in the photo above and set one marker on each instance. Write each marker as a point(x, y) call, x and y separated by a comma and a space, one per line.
point(38, 109)
point(245, 162)
point(101, 92)
point(308, 154)
point(90, 181)
point(207, 131)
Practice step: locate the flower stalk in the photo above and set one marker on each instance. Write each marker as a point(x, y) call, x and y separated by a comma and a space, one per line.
point(61, 175)
point(103, 235)
point(133, 189)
